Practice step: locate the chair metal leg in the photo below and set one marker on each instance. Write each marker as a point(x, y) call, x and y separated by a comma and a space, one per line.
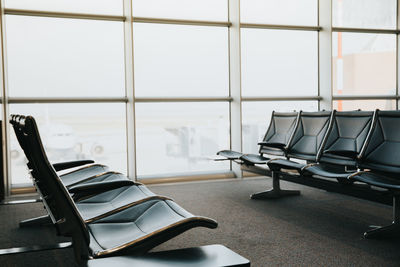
point(391, 229)
point(19, 250)
point(38, 221)
point(276, 191)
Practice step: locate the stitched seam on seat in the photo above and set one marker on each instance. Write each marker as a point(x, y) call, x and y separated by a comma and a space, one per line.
point(143, 191)
point(383, 141)
point(177, 211)
point(128, 221)
point(146, 210)
point(120, 193)
point(362, 128)
point(383, 133)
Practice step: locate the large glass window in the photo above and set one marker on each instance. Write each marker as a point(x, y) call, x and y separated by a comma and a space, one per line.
point(279, 63)
point(103, 7)
point(214, 10)
point(343, 105)
point(55, 57)
point(73, 132)
point(364, 64)
point(375, 14)
point(287, 12)
point(179, 138)
point(179, 61)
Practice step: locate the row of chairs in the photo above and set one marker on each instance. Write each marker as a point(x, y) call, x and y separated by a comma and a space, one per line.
point(346, 147)
point(104, 212)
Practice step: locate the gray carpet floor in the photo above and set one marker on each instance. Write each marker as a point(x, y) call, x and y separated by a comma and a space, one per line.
point(316, 228)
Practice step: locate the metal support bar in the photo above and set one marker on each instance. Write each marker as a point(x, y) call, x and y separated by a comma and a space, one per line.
point(24, 201)
point(38, 221)
point(364, 97)
point(392, 229)
point(280, 27)
point(183, 99)
point(331, 185)
point(44, 100)
point(19, 250)
point(282, 98)
point(361, 30)
point(276, 191)
point(68, 15)
point(182, 22)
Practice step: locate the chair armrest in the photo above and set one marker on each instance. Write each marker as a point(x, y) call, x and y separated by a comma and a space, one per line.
point(71, 164)
point(273, 145)
point(344, 153)
point(98, 187)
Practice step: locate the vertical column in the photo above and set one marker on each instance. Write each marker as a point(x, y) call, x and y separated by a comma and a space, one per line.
point(397, 53)
point(5, 182)
point(130, 90)
point(235, 80)
point(325, 53)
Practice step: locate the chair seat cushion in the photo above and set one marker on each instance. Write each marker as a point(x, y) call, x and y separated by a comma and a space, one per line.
point(379, 180)
point(81, 174)
point(230, 154)
point(278, 164)
point(325, 171)
point(109, 201)
point(254, 159)
point(145, 225)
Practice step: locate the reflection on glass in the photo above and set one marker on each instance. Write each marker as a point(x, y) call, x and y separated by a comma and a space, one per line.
point(286, 12)
point(279, 63)
point(173, 138)
point(214, 10)
point(374, 14)
point(72, 132)
point(257, 115)
point(102, 7)
point(363, 63)
point(345, 105)
point(53, 57)
point(175, 60)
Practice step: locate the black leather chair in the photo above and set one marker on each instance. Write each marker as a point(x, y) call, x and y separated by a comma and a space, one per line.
point(380, 156)
point(134, 228)
point(305, 144)
point(307, 141)
point(82, 182)
point(276, 137)
point(71, 172)
point(344, 142)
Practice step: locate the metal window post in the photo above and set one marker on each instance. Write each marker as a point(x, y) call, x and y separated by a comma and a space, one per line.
point(130, 91)
point(235, 81)
point(325, 53)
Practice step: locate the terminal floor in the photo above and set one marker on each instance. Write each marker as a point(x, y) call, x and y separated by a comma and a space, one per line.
point(316, 228)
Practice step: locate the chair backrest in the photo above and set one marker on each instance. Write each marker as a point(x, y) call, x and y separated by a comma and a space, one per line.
point(19, 133)
point(55, 196)
point(347, 134)
point(381, 151)
point(280, 130)
point(309, 135)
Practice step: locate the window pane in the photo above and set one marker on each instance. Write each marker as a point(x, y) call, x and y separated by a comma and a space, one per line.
point(279, 63)
point(72, 132)
point(173, 138)
point(215, 10)
point(364, 104)
point(175, 60)
point(257, 115)
point(53, 57)
point(364, 63)
point(104, 7)
point(374, 14)
point(287, 12)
